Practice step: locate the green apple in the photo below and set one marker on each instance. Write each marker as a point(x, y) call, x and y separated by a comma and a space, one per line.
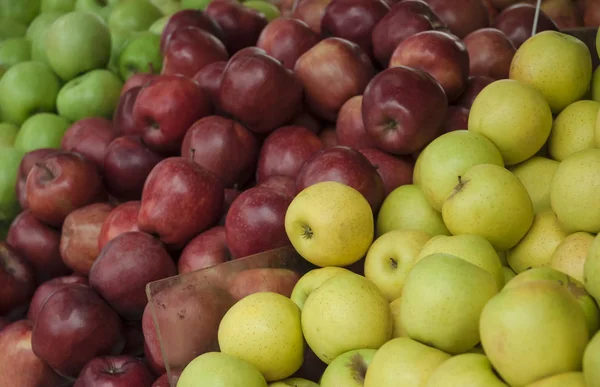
point(570, 255)
point(591, 362)
point(8, 134)
point(448, 157)
point(536, 175)
point(10, 158)
point(102, 8)
point(533, 330)
point(403, 362)
point(442, 300)
point(466, 370)
point(472, 248)
point(391, 257)
point(557, 64)
point(140, 54)
point(346, 312)
point(11, 29)
point(514, 116)
point(591, 269)
point(14, 50)
point(535, 249)
point(348, 369)
point(574, 129)
point(36, 33)
point(567, 379)
point(77, 42)
point(168, 7)
point(406, 207)
point(293, 382)
point(508, 274)
point(398, 330)
point(311, 281)
point(195, 4)
point(574, 192)
point(268, 9)
point(264, 330)
point(220, 369)
point(42, 130)
point(118, 39)
point(596, 85)
point(27, 88)
point(22, 11)
point(93, 94)
point(62, 6)
point(326, 234)
point(133, 15)
point(159, 25)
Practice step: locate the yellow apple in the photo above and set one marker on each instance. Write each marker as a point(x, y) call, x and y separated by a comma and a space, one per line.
point(557, 64)
point(567, 379)
point(472, 248)
point(491, 202)
point(514, 116)
point(591, 269)
point(574, 192)
point(406, 207)
point(391, 257)
point(294, 382)
point(311, 281)
point(536, 175)
point(448, 157)
point(330, 224)
point(398, 330)
point(508, 274)
point(466, 370)
point(349, 369)
point(570, 255)
point(533, 330)
point(346, 312)
point(264, 330)
point(574, 129)
point(220, 369)
point(538, 245)
point(442, 300)
point(503, 257)
point(591, 362)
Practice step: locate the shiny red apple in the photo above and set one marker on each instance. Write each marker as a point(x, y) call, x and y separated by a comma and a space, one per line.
point(120, 220)
point(207, 249)
point(189, 18)
point(123, 120)
point(490, 53)
point(516, 22)
point(461, 16)
point(115, 371)
point(17, 279)
point(48, 288)
point(27, 163)
point(89, 137)
point(394, 170)
point(209, 79)
point(349, 127)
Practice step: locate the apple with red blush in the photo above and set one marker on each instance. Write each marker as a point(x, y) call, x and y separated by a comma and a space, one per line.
point(457, 118)
point(349, 127)
point(48, 288)
point(27, 163)
point(394, 170)
point(189, 18)
point(207, 249)
point(115, 371)
point(329, 137)
point(89, 137)
point(490, 53)
point(475, 84)
point(461, 16)
point(282, 184)
point(516, 22)
point(251, 281)
point(564, 13)
point(310, 12)
point(17, 278)
point(209, 79)
point(123, 120)
point(591, 13)
point(121, 219)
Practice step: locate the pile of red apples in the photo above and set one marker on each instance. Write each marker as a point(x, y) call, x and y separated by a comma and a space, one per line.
point(199, 164)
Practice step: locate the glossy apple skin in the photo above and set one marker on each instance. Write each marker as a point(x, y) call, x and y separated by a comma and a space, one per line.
point(255, 222)
point(180, 200)
point(115, 371)
point(165, 108)
point(440, 54)
point(311, 12)
point(222, 146)
point(475, 84)
point(282, 184)
point(394, 170)
point(516, 22)
point(123, 120)
point(490, 53)
point(74, 326)
point(396, 114)
point(137, 80)
point(461, 16)
point(127, 163)
point(252, 281)
point(338, 63)
point(456, 119)
point(189, 18)
point(19, 366)
point(349, 127)
point(89, 137)
point(163, 380)
point(38, 242)
point(286, 39)
point(209, 79)
point(122, 219)
point(284, 152)
point(205, 250)
point(48, 288)
point(27, 163)
point(17, 279)
point(191, 49)
point(258, 91)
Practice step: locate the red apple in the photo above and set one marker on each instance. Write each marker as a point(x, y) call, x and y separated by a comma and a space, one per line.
point(308, 121)
point(258, 91)
point(456, 119)
point(138, 80)
point(74, 326)
point(394, 170)
point(564, 13)
point(134, 338)
point(48, 288)
point(403, 109)
point(461, 16)
point(27, 163)
point(517, 23)
point(229, 197)
point(474, 86)
point(349, 128)
point(123, 120)
point(189, 18)
point(163, 380)
point(17, 279)
point(120, 220)
point(311, 12)
point(205, 250)
point(341, 65)
point(251, 281)
point(209, 79)
point(282, 184)
point(115, 371)
point(180, 200)
point(490, 53)
point(286, 39)
point(89, 137)
point(591, 14)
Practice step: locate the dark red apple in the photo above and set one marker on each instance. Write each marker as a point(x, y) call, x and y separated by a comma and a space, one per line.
point(74, 326)
point(115, 371)
point(329, 137)
point(564, 13)
point(474, 86)
point(61, 183)
point(349, 128)
point(180, 200)
point(461, 16)
point(308, 121)
point(17, 279)
point(123, 120)
point(252, 281)
point(48, 288)
point(163, 380)
point(286, 39)
point(138, 80)
point(284, 152)
point(209, 79)
point(134, 338)
point(311, 12)
point(27, 163)
point(403, 109)
point(517, 23)
point(282, 184)
point(490, 53)
point(89, 137)
point(394, 170)
point(341, 65)
point(491, 10)
point(222, 146)
point(456, 119)
point(205, 250)
point(189, 18)
point(591, 13)
point(120, 220)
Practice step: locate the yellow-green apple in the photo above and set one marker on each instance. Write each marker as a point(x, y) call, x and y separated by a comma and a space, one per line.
point(14, 51)
point(574, 129)
point(406, 207)
point(479, 204)
point(293, 382)
point(140, 54)
point(264, 329)
point(8, 134)
point(41, 130)
point(12, 29)
point(348, 369)
point(595, 86)
point(442, 300)
point(514, 116)
point(346, 312)
point(398, 330)
point(217, 368)
point(403, 362)
point(330, 224)
point(591, 269)
point(159, 24)
point(20, 11)
point(450, 156)
point(391, 257)
point(573, 192)
point(535, 249)
point(466, 370)
point(571, 379)
point(508, 274)
point(102, 8)
point(562, 81)
point(133, 15)
point(570, 255)
point(10, 159)
point(536, 175)
point(591, 361)
point(311, 281)
point(514, 331)
point(472, 248)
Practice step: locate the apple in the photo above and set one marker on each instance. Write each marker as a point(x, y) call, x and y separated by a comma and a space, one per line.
point(590, 269)
point(89, 137)
point(18, 279)
point(296, 382)
point(115, 371)
point(490, 53)
point(164, 381)
point(590, 360)
point(140, 54)
point(14, 51)
point(591, 13)
point(311, 281)
point(209, 79)
point(565, 14)
point(10, 159)
point(349, 126)
point(579, 117)
point(207, 249)
point(348, 369)
point(536, 175)
point(475, 84)
point(247, 282)
point(394, 171)
point(570, 255)
point(516, 22)
point(285, 185)
point(62, 6)
point(462, 17)
point(118, 39)
point(137, 80)
point(189, 18)
point(122, 219)
point(8, 134)
point(218, 368)
point(133, 15)
point(465, 369)
point(48, 288)
point(123, 119)
point(12, 29)
point(457, 118)
point(102, 8)
point(229, 197)
point(41, 130)
point(311, 12)
point(26, 164)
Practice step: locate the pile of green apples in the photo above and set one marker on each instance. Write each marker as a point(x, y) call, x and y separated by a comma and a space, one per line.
point(483, 272)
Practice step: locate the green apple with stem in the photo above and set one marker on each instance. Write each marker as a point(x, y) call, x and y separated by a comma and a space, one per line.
point(36, 33)
point(22, 11)
point(311, 281)
point(93, 94)
point(466, 370)
point(102, 8)
point(10, 158)
point(15, 50)
point(536, 175)
point(42, 130)
point(11, 29)
point(141, 54)
point(268, 9)
point(220, 369)
point(25, 89)
point(591, 361)
point(348, 369)
point(62, 6)
point(159, 25)
point(134, 15)
point(293, 382)
point(8, 134)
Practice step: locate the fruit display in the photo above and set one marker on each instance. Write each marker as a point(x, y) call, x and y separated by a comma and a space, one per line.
point(331, 193)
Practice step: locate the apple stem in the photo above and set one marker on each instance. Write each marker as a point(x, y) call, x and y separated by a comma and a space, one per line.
point(394, 263)
point(192, 153)
point(307, 232)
